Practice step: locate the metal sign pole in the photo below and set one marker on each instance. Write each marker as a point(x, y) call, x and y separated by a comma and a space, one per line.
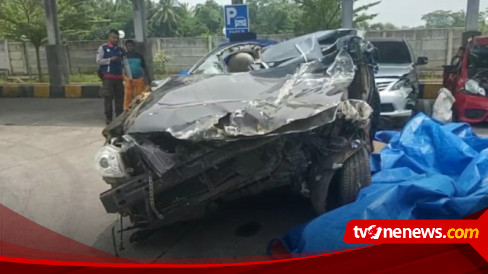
point(347, 13)
point(472, 15)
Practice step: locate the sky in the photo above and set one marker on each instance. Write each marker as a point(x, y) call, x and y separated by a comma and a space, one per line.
point(399, 12)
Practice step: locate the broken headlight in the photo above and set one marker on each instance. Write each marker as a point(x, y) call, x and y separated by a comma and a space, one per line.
point(108, 162)
point(400, 84)
point(473, 87)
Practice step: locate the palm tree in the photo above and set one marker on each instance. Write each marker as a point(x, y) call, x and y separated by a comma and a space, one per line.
point(185, 10)
point(165, 17)
point(211, 15)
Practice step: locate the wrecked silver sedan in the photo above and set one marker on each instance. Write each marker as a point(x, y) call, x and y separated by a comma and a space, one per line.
point(301, 115)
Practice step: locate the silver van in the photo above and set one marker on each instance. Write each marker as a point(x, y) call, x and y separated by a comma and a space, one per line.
point(397, 79)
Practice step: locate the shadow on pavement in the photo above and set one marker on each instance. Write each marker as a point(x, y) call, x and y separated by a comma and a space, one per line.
point(242, 228)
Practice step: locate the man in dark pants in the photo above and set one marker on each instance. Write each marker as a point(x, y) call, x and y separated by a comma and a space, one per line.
point(110, 59)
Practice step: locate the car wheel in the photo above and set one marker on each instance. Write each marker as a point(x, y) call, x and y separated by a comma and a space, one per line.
point(338, 188)
point(354, 175)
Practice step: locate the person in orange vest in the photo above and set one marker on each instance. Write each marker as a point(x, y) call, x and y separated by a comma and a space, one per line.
point(136, 76)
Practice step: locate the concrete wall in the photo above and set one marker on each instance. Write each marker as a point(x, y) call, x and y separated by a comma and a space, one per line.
point(182, 52)
point(437, 44)
point(18, 57)
point(81, 56)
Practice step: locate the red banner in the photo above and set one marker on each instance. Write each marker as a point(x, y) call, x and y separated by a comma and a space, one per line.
point(28, 247)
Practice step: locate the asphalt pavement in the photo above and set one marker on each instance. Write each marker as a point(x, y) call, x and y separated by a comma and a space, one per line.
point(47, 174)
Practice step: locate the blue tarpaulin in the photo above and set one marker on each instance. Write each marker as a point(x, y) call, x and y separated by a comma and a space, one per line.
point(427, 171)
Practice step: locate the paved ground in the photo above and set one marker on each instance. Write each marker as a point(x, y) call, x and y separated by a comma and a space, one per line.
point(47, 175)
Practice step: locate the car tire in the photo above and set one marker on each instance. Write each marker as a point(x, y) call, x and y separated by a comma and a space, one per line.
point(341, 187)
point(354, 175)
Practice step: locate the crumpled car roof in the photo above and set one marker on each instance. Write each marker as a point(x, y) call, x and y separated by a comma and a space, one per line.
point(291, 98)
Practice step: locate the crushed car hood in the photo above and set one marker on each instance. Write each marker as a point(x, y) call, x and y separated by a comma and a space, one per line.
point(212, 107)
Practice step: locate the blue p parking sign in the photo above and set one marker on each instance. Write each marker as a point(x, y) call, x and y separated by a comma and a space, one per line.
point(236, 19)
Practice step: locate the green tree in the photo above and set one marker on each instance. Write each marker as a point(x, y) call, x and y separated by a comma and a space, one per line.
point(483, 22)
point(92, 19)
point(164, 20)
point(211, 15)
point(326, 14)
point(361, 15)
point(108, 14)
point(450, 19)
point(274, 16)
point(188, 25)
point(382, 26)
point(363, 25)
point(444, 19)
point(24, 20)
point(75, 17)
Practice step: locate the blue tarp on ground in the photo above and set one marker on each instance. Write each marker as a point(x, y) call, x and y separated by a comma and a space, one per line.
point(428, 171)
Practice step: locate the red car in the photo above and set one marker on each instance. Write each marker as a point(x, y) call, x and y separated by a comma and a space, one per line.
point(467, 78)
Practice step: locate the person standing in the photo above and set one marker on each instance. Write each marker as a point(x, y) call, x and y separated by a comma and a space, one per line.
point(136, 76)
point(110, 59)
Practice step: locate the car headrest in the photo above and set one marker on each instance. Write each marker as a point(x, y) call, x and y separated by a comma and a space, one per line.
point(240, 62)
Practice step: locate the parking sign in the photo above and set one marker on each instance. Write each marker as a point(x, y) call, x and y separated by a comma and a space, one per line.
point(236, 19)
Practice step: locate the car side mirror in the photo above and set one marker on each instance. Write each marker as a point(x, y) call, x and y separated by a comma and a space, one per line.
point(422, 61)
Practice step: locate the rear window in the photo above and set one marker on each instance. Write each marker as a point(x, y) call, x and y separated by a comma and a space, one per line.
point(391, 52)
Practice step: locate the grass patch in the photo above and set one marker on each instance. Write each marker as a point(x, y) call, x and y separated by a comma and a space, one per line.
point(84, 78)
point(74, 79)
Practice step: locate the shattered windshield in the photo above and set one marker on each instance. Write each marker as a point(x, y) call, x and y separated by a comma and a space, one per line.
point(392, 52)
point(478, 59)
point(306, 47)
point(210, 65)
